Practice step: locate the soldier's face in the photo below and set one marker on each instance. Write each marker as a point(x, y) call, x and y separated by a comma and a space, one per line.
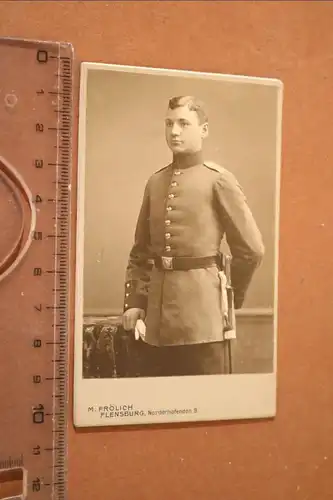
point(184, 133)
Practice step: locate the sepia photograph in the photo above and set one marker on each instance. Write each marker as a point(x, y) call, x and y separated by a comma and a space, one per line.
point(177, 245)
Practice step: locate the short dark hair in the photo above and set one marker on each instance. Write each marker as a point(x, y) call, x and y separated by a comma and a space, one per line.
point(192, 103)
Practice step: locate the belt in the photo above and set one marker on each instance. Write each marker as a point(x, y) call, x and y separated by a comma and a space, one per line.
point(185, 263)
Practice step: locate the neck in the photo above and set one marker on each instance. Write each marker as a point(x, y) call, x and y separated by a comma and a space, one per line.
point(184, 160)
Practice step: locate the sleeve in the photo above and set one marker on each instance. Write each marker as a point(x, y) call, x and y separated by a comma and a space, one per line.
point(139, 266)
point(242, 234)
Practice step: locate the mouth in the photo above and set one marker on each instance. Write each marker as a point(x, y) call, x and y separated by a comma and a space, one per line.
point(176, 143)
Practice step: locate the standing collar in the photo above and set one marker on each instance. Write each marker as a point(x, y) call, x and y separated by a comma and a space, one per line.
point(185, 160)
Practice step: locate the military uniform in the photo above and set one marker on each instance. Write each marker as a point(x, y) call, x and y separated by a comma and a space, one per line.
point(187, 209)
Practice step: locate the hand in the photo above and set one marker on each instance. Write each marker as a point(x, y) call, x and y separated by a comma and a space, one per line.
point(131, 316)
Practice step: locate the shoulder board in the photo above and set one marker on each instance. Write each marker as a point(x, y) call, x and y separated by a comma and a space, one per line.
point(163, 168)
point(214, 166)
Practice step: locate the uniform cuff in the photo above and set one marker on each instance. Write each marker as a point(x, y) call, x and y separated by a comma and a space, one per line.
point(135, 300)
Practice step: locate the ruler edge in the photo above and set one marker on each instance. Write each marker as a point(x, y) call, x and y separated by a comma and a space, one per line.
point(30, 42)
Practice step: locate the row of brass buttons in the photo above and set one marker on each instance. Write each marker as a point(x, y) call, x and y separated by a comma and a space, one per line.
point(169, 209)
point(127, 293)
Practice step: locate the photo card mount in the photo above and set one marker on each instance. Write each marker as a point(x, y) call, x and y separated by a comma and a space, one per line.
point(170, 162)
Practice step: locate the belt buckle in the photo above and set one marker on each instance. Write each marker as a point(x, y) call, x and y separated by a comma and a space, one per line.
point(167, 263)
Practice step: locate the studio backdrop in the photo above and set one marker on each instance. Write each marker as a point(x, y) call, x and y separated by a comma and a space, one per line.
point(125, 144)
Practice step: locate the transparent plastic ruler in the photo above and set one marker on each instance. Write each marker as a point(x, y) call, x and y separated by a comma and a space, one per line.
point(35, 167)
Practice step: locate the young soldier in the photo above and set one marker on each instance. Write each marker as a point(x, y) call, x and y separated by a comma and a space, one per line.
point(172, 277)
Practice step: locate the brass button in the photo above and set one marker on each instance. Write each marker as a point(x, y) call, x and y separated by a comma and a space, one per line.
point(128, 285)
point(168, 236)
point(126, 305)
point(171, 195)
point(177, 172)
point(167, 248)
point(174, 184)
point(167, 222)
point(169, 209)
point(126, 294)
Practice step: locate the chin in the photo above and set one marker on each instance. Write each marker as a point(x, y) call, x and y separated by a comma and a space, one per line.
point(178, 149)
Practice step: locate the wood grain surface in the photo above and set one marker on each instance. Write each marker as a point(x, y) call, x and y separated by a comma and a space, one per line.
point(290, 457)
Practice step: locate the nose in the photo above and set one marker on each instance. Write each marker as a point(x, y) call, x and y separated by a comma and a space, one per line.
point(175, 130)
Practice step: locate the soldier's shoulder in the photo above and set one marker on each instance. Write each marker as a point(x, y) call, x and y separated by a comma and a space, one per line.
point(162, 169)
point(223, 175)
point(154, 176)
point(211, 165)
point(218, 169)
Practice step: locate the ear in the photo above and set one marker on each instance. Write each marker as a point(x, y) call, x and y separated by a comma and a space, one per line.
point(204, 130)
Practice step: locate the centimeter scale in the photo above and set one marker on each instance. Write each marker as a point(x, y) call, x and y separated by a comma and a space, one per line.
point(35, 169)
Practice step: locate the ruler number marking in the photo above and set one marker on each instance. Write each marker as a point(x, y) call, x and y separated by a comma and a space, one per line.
point(37, 343)
point(38, 414)
point(36, 450)
point(38, 235)
point(39, 163)
point(36, 484)
point(42, 56)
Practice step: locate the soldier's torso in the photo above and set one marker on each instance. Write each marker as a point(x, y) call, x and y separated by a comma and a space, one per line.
point(183, 218)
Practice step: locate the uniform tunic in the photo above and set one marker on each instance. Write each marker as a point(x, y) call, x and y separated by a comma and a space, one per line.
point(188, 207)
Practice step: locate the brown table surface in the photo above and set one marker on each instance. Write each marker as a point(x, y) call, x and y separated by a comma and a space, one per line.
point(290, 457)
